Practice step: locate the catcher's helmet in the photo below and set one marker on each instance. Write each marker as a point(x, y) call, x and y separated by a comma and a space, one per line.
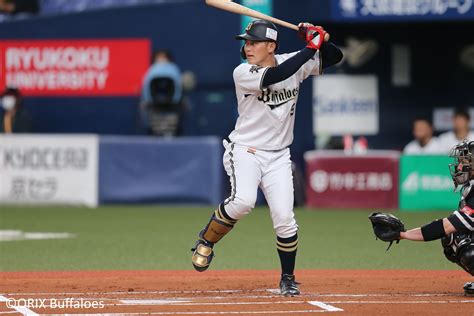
point(463, 166)
point(259, 31)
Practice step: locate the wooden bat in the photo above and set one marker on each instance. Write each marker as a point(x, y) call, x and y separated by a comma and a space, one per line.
point(230, 6)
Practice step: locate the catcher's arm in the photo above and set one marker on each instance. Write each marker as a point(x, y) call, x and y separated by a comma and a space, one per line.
point(427, 231)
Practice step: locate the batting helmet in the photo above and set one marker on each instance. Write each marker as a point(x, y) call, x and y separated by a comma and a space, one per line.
point(259, 31)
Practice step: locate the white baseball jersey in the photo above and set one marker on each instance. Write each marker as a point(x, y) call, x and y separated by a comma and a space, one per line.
point(266, 116)
point(432, 147)
point(448, 140)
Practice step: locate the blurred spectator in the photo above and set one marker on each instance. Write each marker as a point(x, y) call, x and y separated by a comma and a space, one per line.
point(14, 118)
point(19, 6)
point(424, 142)
point(162, 96)
point(461, 131)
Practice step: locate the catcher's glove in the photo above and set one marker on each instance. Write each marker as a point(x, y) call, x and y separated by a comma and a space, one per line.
point(387, 227)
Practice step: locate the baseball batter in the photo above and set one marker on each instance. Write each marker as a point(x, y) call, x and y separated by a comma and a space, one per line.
point(455, 231)
point(257, 153)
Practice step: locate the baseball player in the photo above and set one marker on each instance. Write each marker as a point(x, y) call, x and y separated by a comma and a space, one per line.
point(455, 231)
point(257, 153)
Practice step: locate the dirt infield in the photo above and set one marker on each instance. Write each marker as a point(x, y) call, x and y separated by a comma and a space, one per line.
point(356, 292)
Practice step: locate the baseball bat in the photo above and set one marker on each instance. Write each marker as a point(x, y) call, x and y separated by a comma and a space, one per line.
point(230, 6)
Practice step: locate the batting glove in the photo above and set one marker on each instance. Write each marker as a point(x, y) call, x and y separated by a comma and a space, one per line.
point(315, 36)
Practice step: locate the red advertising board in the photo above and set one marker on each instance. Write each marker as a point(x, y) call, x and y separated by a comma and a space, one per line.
point(338, 181)
point(75, 67)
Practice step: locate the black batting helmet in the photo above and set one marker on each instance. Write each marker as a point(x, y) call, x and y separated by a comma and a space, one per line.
point(259, 31)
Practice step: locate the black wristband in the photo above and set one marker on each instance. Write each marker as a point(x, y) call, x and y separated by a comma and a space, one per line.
point(433, 230)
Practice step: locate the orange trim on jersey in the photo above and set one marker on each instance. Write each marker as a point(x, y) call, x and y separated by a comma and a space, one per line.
point(467, 210)
point(251, 150)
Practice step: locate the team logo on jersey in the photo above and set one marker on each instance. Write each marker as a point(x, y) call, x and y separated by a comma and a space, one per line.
point(277, 98)
point(255, 69)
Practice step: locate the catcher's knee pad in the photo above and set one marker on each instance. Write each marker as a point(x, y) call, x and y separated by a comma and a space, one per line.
point(449, 249)
point(466, 258)
point(459, 248)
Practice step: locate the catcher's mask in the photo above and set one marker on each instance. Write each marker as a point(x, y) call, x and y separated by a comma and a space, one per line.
point(463, 165)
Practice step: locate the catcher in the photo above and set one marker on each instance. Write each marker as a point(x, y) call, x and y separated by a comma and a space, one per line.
point(455, 231)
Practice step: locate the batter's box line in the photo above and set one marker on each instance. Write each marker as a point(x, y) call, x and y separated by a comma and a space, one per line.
point(403, 302)
point(137, 292)
point(215, 313)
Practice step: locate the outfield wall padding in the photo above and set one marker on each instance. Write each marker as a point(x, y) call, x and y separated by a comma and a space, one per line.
point(158, 170)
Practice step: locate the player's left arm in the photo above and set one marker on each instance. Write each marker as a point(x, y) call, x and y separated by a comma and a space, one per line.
point(460, 220)
point(330, 54)
point(432, 231)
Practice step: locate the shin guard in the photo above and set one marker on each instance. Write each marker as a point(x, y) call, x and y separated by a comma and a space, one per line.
point(219, 225)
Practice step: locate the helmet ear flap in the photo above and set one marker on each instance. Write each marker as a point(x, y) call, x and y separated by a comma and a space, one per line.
point(242, 52)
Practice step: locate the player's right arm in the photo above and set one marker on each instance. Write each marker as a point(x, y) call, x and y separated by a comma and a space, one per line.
point(316, 38)
point(254, 78)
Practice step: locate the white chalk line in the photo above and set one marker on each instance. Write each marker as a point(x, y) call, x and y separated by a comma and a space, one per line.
point(158, 303)
point(273, 291)
point(403, 302)
point(212, 313)
point(176, 303)
point(22, 310)
point(326, 306)
point(139, 292)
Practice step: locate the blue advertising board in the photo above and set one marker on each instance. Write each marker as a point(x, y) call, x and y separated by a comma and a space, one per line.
point(401, 10)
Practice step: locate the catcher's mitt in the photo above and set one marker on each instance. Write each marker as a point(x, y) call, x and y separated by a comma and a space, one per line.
point(387, 227)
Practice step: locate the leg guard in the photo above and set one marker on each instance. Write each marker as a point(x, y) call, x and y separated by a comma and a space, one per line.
point(459, 248)
point(219, 225)
point(466, 258)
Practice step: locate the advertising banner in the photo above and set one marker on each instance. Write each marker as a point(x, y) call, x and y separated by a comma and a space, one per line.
point(74, 67)
point(262, 6)
point(338, 181)
point(401, 10)
point(426, 184)
point(49, 169)
point(344, 104)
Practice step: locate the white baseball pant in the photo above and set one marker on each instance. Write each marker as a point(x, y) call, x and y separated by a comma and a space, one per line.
point(249, 168)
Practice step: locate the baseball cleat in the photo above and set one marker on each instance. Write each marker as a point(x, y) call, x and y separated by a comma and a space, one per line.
point(288, 285)
point(469, 289)
point(202, 255)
